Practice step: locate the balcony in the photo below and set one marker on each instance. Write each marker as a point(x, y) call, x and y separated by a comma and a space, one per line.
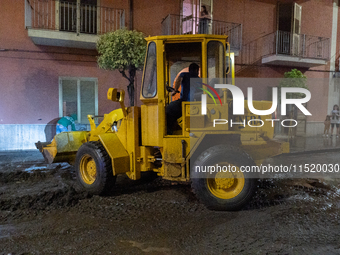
point(70, 23)
point(287, 49)
point(178, 25)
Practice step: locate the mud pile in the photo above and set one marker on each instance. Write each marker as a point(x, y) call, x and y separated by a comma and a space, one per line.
point(43, 211)
point(38, 187)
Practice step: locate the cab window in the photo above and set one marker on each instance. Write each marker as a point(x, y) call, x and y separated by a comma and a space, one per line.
point(216, 60)
point(216, 64)
point(150, 73)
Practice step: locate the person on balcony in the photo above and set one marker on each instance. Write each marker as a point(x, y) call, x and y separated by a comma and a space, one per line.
point(203, 25)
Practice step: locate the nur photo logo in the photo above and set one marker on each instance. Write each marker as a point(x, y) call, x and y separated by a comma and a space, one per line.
point(238, 104)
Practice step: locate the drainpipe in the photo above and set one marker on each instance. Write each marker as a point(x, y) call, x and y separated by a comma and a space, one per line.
point(78, 18)
point(131, 15)
point(333, 98)
point(131, 28)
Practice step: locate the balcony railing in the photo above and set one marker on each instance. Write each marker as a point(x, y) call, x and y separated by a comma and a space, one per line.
point(285, 43)
point(178, 25)
point(304, 46)
point(72, 16)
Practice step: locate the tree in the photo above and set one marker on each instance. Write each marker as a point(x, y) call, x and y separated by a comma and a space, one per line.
point(294, 78)
point(122, 50)
point(297, 79)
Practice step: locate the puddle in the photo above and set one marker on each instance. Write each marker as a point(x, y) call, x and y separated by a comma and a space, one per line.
point(61, 166)
point(35, 168)
point(5, 231)
point(143, 247)
point(304, 197)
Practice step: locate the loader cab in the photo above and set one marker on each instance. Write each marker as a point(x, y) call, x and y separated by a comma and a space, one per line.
point(166, 58)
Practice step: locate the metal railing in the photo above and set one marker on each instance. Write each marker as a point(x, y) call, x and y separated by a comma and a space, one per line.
point(301, 45)
point(177, 25)
point(72, 16)
point(285, 43)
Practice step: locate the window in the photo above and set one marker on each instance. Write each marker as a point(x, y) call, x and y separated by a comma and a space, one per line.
point(78, 95)
point(216, 59)
point(216, 64)
point(81, 14)
point(150, 73)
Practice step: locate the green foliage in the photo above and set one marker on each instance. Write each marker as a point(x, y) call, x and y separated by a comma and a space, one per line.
point(294, 73)
point(294, 78)
point(121, 50)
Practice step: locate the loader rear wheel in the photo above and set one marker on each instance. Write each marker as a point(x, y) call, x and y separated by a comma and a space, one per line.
point(93, 168)
point(223, 190)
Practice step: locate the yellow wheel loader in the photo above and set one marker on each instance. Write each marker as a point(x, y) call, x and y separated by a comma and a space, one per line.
point(132, 140)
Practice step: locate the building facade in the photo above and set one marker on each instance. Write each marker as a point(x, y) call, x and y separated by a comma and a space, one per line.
point(48, 54)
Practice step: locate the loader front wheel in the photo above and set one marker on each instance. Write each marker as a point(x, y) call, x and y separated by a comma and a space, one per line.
point(93, 168)
point(216, 186)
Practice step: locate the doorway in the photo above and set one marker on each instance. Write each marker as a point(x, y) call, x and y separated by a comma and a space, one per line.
point(190, 13)
point(289, 28)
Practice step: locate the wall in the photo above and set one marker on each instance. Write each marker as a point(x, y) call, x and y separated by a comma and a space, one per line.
point(29, 94)
point(29, 77)
point(258, 18)
point(148, 15)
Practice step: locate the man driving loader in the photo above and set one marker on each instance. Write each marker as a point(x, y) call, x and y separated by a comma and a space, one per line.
point(174, 109)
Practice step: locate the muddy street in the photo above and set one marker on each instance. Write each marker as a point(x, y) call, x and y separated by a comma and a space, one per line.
point(43, 211)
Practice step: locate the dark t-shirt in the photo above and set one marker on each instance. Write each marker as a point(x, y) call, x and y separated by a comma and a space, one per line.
point(185, 91)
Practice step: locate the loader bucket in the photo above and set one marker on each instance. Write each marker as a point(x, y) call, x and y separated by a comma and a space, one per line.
point(63, 147)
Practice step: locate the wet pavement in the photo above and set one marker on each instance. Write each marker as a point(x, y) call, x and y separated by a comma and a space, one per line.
point(20, 156)
point(297, 145)
point(312, 143)
point(42, 211)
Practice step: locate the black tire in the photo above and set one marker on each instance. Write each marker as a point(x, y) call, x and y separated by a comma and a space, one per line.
point(236, 192)
point(93, 155)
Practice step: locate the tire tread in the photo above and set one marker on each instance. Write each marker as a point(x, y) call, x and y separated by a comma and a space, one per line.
point(199, 188)
point(106, 179)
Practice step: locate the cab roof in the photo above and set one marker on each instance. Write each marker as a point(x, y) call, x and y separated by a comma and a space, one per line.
point(190, 37)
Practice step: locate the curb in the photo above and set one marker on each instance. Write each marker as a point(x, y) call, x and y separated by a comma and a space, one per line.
point(312, 151)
